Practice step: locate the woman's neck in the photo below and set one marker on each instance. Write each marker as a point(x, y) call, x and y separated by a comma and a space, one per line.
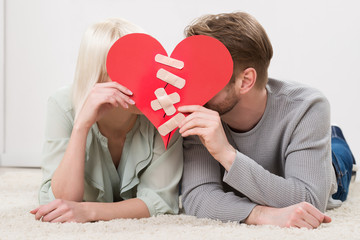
point(117, 123)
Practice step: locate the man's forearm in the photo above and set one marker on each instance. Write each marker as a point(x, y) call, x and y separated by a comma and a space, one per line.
point(268, 189)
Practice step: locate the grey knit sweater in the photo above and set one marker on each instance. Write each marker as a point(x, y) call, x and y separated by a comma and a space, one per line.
point(285, 159)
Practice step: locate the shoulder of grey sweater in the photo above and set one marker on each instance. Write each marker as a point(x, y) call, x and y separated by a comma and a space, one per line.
point(301, 105)
point(295, 91)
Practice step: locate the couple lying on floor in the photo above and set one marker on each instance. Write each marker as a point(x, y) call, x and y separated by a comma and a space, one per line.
point(261, 151)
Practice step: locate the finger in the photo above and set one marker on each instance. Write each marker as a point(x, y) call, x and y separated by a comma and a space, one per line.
point(311, 220)
point(123, 99)
point(303, 224)
point(195, 123)
point(112, 101)
point(195, 108)
point(107, 94)
point(202, 115)
point(327, 219)
point(34, 211)
point(45, 209)
point(312, 210)
point(54, 214)
point(110, 96)
point(194, 131)
point(63, 218)
point(60, 219)
point(116, 85)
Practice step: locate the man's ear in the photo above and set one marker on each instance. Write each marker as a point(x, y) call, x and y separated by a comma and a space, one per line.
point(248, 80)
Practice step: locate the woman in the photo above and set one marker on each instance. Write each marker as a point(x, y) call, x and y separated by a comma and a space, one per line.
point(102, 159)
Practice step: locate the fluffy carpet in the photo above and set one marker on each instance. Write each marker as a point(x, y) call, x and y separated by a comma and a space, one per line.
point(18, 195)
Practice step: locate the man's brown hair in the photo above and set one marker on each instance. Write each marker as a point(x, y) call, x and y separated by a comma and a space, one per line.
point(243, 36)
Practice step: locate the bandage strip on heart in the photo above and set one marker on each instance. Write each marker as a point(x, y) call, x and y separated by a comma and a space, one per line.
point(166, 76)
point(171, 124)
point(165, 101)
point(169, 61)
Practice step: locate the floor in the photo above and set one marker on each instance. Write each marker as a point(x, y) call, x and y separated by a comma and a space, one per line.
point(19, 194)
point(20, 169)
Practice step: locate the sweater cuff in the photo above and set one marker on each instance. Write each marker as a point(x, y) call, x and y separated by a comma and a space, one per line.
point(232, 176)
point(238, 212)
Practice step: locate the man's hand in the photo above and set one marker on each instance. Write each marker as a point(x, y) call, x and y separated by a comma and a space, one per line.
point(206, 124)
point(61, 211)
point(299, 215)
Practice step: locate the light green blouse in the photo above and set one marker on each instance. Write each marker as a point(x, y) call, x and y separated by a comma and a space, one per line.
point(146, 170)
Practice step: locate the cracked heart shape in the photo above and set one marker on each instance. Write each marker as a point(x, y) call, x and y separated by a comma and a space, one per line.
point(208, 67)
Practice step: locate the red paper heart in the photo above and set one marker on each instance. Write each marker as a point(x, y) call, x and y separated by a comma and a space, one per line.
point(207, 69)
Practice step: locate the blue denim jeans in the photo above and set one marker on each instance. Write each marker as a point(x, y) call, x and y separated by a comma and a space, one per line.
point(343, 161)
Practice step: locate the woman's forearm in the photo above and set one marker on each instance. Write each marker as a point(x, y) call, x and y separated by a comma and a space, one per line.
point(68, 180)
point(131, 208)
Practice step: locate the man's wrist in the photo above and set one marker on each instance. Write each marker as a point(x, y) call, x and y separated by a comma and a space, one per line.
point(227, 157)
point(254, 216)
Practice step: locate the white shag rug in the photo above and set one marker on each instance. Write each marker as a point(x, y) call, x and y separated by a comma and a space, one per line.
point(18, 195)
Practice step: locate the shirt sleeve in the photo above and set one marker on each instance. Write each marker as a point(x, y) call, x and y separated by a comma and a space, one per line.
point(308, 168)
point(58, 129)
point(203, 194)
point(159, 183)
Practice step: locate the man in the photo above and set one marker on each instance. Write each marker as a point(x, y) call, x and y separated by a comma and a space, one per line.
point(259, 152)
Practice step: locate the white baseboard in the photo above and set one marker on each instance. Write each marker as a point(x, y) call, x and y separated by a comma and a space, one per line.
point(20, 160)
point(356, 168)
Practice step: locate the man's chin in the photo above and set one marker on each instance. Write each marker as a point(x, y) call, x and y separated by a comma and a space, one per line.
point(211, 107)
point(221, 110)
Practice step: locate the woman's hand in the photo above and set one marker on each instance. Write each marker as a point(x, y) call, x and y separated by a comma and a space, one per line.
point(206, 124)
point(69, 211)
point(102, 98)
point(61, 211)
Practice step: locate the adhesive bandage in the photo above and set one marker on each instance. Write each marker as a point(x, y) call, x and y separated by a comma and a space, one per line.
point(170, 78)
point(169, 61)
point(174, 97)
point(171, 124)
point(165, 101)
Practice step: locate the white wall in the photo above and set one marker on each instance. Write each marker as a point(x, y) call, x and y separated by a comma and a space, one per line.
point(315, 42)
point(2, 75)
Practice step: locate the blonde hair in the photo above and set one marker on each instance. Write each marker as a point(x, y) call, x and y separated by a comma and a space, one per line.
point(91, 63)
point(243, 36)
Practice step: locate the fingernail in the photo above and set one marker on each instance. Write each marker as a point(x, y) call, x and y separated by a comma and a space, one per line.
point(126, 106)
point(132, 102)
point(129, 92)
